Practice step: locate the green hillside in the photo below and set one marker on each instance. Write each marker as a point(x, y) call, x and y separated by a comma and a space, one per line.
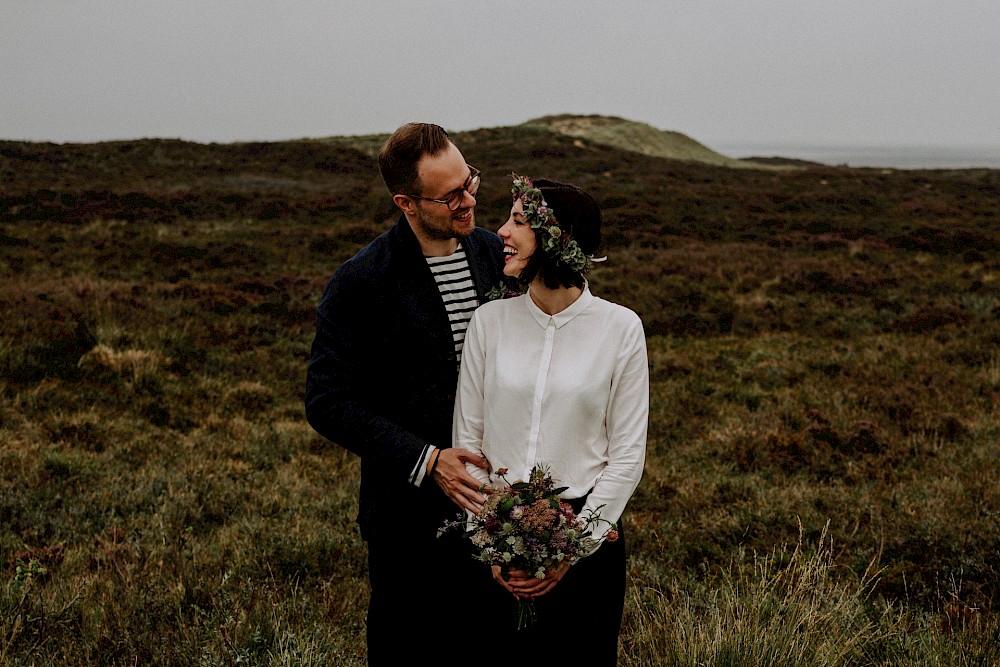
point(597, 132)
point(636, 137)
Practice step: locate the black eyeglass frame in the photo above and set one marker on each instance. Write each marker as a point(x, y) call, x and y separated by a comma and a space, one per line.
point(457, 196)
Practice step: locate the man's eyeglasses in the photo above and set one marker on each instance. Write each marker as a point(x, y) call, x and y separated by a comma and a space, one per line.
point(455, 198)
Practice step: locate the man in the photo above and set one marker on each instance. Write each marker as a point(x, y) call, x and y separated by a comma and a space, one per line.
point(382, 377)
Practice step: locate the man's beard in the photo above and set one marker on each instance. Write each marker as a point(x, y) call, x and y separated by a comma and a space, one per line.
point(436, 233)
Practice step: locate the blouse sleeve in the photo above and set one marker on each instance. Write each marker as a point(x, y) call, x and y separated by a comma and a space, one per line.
point(627, 421)
point(467, 423)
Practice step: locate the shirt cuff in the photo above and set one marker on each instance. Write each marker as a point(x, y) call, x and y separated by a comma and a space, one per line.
point(420, 470)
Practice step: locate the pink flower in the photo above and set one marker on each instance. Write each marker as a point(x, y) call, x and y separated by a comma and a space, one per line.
point(611, 535)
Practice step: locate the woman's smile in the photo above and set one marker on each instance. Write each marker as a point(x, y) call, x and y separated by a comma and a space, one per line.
point(518, 241)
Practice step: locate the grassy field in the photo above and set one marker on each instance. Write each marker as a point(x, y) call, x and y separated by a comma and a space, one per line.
point(822, 484)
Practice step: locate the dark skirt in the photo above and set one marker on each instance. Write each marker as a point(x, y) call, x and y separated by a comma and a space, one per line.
point(576, 623)
point(419, 594)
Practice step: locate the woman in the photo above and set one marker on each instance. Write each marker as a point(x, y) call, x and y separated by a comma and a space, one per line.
point(559, 377)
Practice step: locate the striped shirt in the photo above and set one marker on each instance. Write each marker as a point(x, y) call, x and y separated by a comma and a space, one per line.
point(454, 282)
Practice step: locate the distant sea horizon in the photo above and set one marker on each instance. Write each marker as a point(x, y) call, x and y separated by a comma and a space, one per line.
point(888, 157)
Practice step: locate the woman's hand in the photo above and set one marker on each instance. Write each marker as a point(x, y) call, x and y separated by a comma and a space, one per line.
point(522, 585)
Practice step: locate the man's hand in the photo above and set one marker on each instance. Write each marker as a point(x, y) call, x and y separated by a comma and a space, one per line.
point(456, 482)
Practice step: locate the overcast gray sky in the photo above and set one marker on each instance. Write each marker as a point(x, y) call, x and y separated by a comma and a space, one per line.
point(765, 72)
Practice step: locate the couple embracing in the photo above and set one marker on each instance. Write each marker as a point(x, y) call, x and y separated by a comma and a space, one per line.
point(439, 390)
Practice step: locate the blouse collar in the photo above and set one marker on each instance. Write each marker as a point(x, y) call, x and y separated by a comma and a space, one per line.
point(563, 316)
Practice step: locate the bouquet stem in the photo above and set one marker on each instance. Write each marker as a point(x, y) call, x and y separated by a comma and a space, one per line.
point(526, 613)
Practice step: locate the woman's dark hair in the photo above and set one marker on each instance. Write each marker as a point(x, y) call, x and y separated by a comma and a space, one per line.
point(575, 212)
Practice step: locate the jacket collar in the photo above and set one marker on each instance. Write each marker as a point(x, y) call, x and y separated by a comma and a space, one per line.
point(410, 246)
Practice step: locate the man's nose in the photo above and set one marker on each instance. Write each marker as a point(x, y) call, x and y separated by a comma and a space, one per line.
point(466, 193)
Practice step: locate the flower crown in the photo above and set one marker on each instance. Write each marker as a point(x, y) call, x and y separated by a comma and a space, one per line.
point(559, 244)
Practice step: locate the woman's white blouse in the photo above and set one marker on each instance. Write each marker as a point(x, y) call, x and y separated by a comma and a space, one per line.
point(570, 391)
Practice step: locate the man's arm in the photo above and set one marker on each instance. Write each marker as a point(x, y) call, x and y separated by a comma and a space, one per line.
point(341, 362)
point(342, 353)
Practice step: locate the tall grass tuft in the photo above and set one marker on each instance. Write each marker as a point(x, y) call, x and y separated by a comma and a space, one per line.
point(782, 610)
point(789, 608)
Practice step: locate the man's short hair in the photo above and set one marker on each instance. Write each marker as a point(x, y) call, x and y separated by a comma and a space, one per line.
point(397, 161)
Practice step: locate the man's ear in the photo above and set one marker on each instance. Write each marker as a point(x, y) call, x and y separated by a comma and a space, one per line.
point(406, 204)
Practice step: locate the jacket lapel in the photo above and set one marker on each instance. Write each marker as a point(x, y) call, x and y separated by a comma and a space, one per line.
point(414, 277)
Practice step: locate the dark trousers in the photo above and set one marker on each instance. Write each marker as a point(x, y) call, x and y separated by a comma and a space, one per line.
point(421, 589)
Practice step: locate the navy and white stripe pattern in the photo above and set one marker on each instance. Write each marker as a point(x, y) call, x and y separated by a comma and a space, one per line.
point(454, 282)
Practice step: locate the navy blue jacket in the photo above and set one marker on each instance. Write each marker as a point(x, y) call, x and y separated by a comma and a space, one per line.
point(382, 373)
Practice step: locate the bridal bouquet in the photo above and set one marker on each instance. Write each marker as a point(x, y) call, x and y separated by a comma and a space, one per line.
point(526, 526)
